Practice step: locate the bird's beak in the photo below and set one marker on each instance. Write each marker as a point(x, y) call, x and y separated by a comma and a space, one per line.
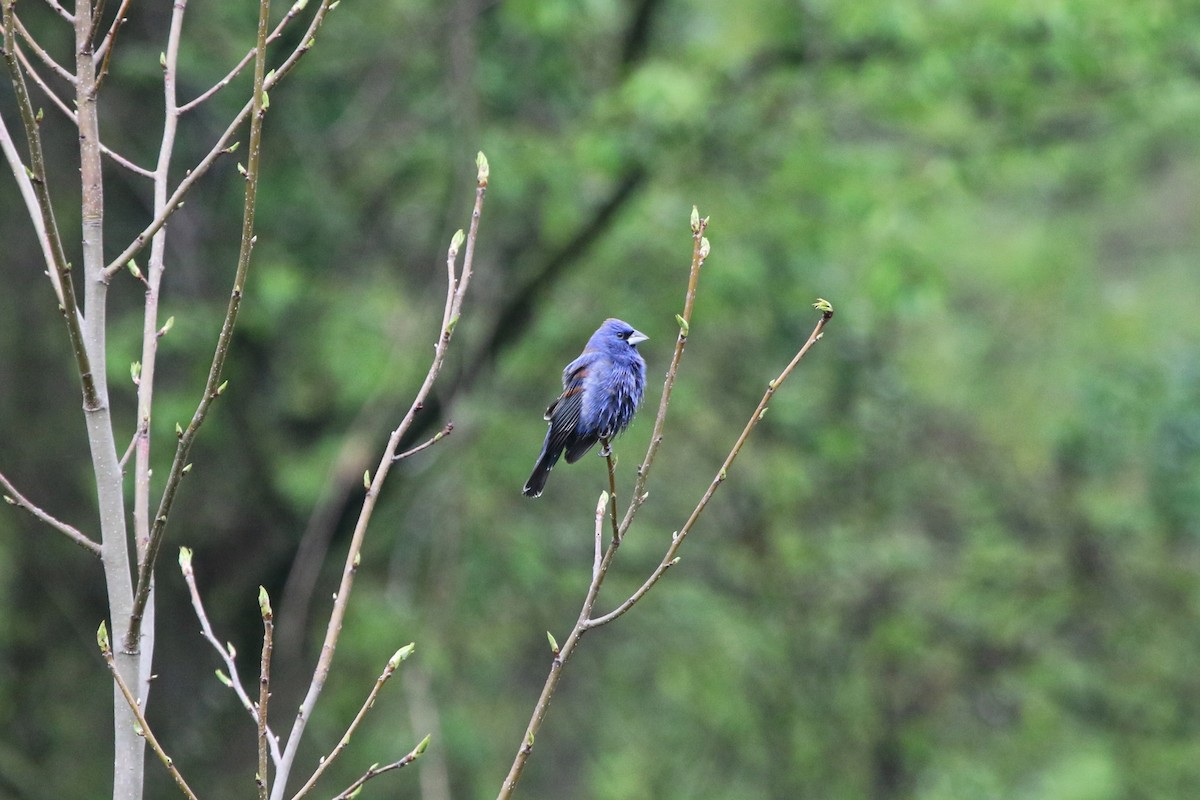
point(637, 337)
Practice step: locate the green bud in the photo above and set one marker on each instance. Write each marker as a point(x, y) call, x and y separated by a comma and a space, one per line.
point(264, 603)
point(367, 479)
point(553, 643)
point(223, 678)
point(705, 247)
point(457, 241)
point(185, 559)
point(401, 655)
point(823, 306)
point(102, 638)
point(695, 220)
point(186, 469)
point(484, 170)
point(135, 371)
point(683, 324)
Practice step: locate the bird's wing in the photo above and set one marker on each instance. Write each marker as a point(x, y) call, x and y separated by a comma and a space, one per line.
point(563, 413)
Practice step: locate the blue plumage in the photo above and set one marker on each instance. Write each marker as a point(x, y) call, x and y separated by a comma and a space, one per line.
point(602, 390)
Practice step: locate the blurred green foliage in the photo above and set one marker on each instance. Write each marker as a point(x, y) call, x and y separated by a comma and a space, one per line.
point(960, 558)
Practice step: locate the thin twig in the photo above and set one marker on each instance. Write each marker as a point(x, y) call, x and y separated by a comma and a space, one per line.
point(700, 250)
point(47, 59)
point(394, 662)
point(104, 51)
point(292, 13)
point(74, 534)
point(612, 489)
point(143, 725)
point(62, 12)
point(221, 147)
point(70, 114)
point(264, 692)
point(456, 293)
point(213, 386)
point(599, 548)
point(25, 186)
point(437, 437)
point(376, 771)
point(231, 678)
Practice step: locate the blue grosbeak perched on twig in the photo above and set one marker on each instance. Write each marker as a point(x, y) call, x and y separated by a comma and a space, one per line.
point(602, 390)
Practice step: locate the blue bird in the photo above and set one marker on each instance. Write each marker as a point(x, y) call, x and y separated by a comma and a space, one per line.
point(602, 390)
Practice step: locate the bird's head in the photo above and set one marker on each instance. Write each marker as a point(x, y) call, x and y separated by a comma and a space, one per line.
point(621, 331)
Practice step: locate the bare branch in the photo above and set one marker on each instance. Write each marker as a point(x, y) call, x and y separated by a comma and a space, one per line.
point(375, 771)
point(437, 437)
point(292, 13)
point(62, 12)
point(25, 184)
point(700, 249)
point(104, 51)
point(234, 681)
point(74, 534)
point(47, 59)
point(70, 114)
point(264, 692)
point(143, 726)
point(456, 291)
point(394, 662)
point(213, 386)
point(221, 147)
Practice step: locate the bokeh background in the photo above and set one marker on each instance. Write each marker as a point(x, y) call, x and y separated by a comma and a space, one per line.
point(960, 557)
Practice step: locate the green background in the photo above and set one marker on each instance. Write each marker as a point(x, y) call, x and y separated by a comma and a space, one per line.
point(959, 558)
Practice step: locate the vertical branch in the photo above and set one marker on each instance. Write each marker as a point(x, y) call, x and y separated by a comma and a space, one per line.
point(264, 691)
point(128, 766)
point(700, 250)
point(455, 293)
point(150, 329)
point(213, 385)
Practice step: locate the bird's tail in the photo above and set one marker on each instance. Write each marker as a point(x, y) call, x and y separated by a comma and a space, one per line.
point(541, 471)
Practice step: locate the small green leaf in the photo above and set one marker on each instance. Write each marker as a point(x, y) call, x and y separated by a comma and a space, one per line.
point(683, 324)
point(185, 558)
point(223, 678)
point(553, 643)
point(178, 431)
point(457, 240)
point(41, 114)
point(166, 328)
point(102, 637)
point(823, 306)
point(367, 479)
point(420, 748)
point(186, 469)
point(695, 220)
point(135, 371)
point(241, 168)
point(162, 59)
point(221, 388)
point(266, 100)
point(264, 603)
point(705, 247)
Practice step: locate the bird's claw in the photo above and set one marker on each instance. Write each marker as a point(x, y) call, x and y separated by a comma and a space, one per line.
point(605, 450)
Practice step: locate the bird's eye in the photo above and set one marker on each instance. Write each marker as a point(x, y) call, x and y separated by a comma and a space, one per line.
point(623, 334)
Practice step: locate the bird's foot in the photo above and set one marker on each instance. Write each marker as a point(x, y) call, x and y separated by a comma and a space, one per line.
point(605, 450)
